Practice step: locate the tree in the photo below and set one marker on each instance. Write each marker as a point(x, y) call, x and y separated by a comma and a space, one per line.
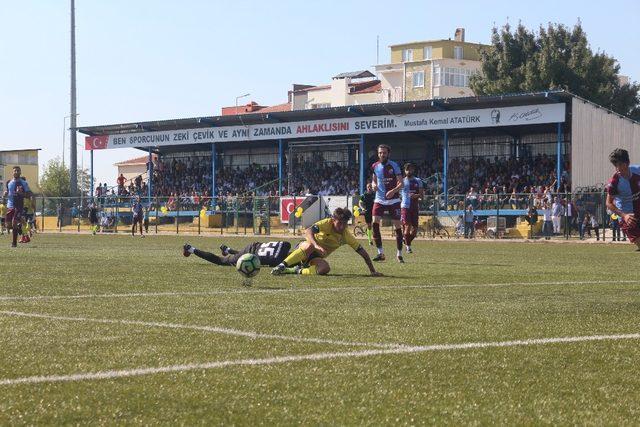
point(555, 58)
point(55, 181)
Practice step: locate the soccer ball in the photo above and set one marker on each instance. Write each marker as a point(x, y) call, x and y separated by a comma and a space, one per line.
point(248, 265)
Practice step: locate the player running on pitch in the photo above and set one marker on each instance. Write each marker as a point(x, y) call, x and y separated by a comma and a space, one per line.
point(322, 238)
point(623, 198)
point(387, 183)
point(366, 207)
point(412, 193)
point(16, 191)
point(270, 253)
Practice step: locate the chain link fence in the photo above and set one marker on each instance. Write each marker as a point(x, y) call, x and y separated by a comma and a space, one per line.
point(579, 215)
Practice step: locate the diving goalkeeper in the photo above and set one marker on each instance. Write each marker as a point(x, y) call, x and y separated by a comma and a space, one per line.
point(322, 238)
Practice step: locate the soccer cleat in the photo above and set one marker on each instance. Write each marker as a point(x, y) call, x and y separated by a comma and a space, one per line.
point(297, 269)
point(185, 250)
point(279, 269)
point(13, 245)
point(370, 242)
point(379, 257)
point(400, 259)
point(224, 249)
point(409, 251)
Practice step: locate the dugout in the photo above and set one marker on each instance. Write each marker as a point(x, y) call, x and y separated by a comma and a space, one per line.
point(576, 133)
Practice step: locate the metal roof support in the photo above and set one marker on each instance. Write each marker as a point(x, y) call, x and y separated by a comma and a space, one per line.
point(355, 112)
point(214, 201)
point(362, 164)
point(559, 156)
point(445, 161)
point(552, 96)
point(149, 178)
point(144, 128)
point(204, 120)
point(280, 165)
point(438, 106)
point(91, 174)
point(271, 117)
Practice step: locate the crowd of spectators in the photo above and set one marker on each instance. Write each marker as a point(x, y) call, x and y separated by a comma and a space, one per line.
point(187, 180)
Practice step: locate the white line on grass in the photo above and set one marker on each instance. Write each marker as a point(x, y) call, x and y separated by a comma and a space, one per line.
point(329, 289)
point(214, 329)
point(306, 357)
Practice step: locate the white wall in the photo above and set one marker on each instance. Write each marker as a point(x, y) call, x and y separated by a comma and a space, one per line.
point(595, 133)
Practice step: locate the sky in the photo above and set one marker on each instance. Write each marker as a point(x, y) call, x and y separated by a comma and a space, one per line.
point(141, 60)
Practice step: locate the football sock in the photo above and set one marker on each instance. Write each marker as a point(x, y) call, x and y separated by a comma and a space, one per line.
point(191, 249)
point(309, 270)
point(15, 236)
point(295, 257)
point(376, 236)
point(399, 239)
point(407, 239)
point(369, 234)
point(231, 251)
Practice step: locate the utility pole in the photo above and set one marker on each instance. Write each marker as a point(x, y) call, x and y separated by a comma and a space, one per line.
point(73, 161)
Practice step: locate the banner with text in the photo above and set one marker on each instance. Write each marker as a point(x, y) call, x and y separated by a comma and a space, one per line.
point(487, 117)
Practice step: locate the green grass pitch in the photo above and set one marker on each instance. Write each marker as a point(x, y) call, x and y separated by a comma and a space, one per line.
point(115, 329)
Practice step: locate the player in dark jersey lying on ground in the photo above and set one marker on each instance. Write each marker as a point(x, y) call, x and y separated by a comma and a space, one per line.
point(270, 253)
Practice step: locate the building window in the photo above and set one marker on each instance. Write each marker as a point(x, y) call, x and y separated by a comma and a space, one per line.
point(436, 75)
point(447, 76)
point(457, 52)
point(418, 79)
point(427, 52)
point(407, 55)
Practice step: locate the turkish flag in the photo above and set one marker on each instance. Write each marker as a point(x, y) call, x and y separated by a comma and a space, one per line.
point(287, 206)
point(96, 142)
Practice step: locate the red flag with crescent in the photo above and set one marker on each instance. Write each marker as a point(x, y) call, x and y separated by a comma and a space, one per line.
point(96, 142)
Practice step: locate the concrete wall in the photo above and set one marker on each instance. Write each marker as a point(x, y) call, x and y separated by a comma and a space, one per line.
point(595, 132)
point(30, 172)
point(414, 93)
point(439, 49)
point(130, 172)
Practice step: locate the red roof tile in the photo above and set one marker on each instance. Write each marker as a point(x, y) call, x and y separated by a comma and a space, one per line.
point(371, 86)
point(136, 161)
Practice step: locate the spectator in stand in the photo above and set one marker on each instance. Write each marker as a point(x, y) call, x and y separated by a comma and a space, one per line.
point(469, 216)
point(615, 227)
point(121, 179)
point(472, 198)
point(60, 215)
point(547, 225)
point(532, 220)
point(557, 211)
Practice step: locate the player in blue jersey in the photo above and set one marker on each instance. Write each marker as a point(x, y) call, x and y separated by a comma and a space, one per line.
point(387, 183)
point(138, 215)
point(412, 192)
point(16, 191)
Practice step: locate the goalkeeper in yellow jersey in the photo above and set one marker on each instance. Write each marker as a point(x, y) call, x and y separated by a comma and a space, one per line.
point(322, 238)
